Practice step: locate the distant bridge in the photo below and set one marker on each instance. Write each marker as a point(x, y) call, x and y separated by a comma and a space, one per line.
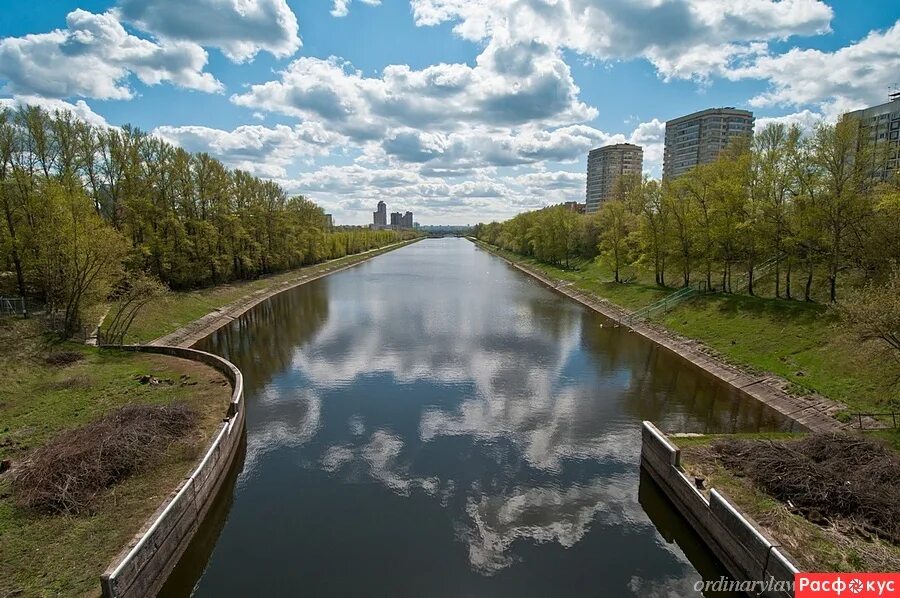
point(441, 235)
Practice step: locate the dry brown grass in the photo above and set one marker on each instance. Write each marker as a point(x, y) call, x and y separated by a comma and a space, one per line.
point(826, 477)
point(829, 545)
point(66, 475)
point(63, 358)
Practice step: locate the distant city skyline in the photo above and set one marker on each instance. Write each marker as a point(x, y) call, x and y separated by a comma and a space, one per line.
point(458, 110)
point(397, 219)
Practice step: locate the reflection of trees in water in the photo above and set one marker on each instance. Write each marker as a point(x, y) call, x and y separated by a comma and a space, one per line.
point(555, 316)
point(262, 341)
point(663, 388)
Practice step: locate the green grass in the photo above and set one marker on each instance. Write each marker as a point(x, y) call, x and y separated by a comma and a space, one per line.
point(179, 308)
point(798, 341)
point(44, 555)
point(592, 277)
point(891, 436)
point(707, 439)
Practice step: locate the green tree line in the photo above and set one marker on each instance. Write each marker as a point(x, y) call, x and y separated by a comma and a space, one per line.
point(815, 207)
point(85, 205)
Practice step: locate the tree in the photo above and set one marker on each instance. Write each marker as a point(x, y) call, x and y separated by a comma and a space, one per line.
point(847, 170)
point(873, 312)
point(9, 197)
point(775, 152)
point(680, 205)
point(616, 240)
point(187, 218)
point(134, 293)
point(654, 227)
point(79, 256)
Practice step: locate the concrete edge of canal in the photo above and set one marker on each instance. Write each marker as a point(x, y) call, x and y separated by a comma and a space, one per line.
point(198, 329)
point(813, 413)
point(745, 550)
point(143, 566)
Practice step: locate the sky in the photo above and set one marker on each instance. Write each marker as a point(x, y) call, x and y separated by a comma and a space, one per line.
point(461, 111)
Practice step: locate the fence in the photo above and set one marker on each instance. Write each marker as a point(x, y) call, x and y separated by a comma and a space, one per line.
point(859, 417)
point(13, 306)
point(670, 301)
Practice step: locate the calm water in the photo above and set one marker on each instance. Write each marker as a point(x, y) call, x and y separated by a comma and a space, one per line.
point(435, 423)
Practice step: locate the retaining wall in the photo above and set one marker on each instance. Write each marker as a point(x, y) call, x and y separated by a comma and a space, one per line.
point(144, 565)
point(747, 552)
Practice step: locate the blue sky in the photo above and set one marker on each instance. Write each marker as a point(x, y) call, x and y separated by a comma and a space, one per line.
point(458, 110)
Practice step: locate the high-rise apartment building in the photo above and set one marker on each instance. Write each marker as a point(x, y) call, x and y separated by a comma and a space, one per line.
point(396, 218)
point(407, 220)
point(380, 215)
point(698, 138)
point(880, 126)
point(605, 165)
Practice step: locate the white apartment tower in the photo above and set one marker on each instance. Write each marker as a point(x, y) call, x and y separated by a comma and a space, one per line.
point(880, 126)
point(700, 137)
point(604, 166)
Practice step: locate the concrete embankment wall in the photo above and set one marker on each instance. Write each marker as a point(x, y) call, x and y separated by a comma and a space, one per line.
point(144, 565)
point(745, 550)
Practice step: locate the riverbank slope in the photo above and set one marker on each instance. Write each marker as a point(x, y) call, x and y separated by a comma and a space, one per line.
point(53, 389)
point(788, 354)
point(183, 318)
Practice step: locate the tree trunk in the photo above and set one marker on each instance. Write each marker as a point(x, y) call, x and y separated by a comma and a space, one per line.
point(20, 277)
point(787, 281)
point(809, 281)
point(778, 280)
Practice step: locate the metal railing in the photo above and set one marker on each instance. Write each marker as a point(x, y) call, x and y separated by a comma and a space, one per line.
point(758, 272)
point(669, 301)
point(860, 422)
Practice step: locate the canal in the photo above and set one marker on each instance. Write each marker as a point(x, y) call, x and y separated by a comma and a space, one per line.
point(435, 423)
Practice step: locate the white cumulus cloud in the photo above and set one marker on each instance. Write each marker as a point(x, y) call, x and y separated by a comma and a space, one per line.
point(847, 78)
point(240, 28)
point(79, 109)
point(510, 84)
point(682, 38)
point(94, 57)
point(342, 7)
point(261, 150)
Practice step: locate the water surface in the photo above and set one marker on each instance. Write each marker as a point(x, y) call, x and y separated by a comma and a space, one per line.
point(435, 423)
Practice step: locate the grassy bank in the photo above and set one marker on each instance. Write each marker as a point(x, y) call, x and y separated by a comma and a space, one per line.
point(801, 342)
point(177, 309)
point(64, 555)
point(833, 546)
